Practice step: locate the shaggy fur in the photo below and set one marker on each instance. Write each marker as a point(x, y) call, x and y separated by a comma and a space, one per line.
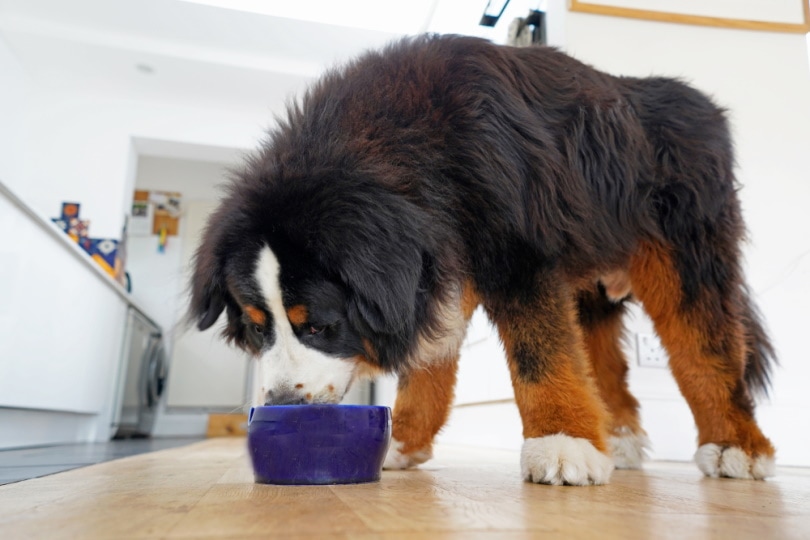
point(444, 171)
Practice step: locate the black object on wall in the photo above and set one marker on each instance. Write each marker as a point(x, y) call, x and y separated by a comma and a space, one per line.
point(490, 18)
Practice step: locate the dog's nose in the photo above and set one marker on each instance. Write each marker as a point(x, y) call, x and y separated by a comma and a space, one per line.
point(284, 396)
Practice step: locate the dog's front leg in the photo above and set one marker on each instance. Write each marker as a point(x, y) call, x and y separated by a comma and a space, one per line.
point(564, 420)
point(422, 406)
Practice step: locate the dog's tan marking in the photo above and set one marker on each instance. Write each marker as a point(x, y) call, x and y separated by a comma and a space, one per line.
point(469, 300)
point(710, 382)
point(551, 377)
point(367, 366)
point(256, 315)
point(602, 341)
point(371, 352)
point(617, 284)
point(423, 405)
point(298, 315)
point(564, 401)
point(366, 369)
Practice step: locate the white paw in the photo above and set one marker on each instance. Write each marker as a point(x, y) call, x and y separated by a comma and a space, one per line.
point(395, 459)
point(560, 459)
point(628, 449)
point(732, 462)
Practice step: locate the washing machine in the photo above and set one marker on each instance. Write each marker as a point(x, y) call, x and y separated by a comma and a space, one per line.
point(143, 377)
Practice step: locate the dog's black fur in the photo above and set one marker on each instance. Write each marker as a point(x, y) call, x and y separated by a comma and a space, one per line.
point(441, 159)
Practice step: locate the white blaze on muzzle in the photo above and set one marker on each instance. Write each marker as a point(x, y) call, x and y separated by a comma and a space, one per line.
point(291, 372)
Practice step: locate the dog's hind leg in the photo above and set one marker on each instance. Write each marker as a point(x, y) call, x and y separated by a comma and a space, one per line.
point(705, 336)
point(421, 409)
point(601, 321)
point(564, 420)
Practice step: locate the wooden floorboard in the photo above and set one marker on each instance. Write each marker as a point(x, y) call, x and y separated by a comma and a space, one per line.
point(206, 491)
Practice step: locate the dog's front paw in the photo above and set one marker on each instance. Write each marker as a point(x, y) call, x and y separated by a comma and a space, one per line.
point(732, 462)
point(560, 459)
point(396, 459)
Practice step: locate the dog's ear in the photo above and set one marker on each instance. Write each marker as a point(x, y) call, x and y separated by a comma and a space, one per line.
point(208, 288)
point(383, 285)
point(375, 248)
point(212, 304)
point(207, 294)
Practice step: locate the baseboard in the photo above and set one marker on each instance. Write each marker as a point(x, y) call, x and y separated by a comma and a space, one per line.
point(180, 424)
point(32, 427)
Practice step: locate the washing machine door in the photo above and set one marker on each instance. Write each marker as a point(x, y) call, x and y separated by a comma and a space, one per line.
point(156, 368)
point(152, 383)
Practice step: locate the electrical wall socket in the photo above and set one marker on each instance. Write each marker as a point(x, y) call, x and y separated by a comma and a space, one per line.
point(651, 352)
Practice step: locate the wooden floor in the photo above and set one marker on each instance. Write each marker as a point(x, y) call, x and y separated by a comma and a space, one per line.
point(206, 490)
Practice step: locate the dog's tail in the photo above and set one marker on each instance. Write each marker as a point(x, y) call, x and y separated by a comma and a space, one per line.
point(760, 354)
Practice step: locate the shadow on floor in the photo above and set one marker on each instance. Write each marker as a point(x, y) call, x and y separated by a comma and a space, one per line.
point(26, 463)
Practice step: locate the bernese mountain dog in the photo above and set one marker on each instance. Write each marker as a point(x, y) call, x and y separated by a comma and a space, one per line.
point(443, 173)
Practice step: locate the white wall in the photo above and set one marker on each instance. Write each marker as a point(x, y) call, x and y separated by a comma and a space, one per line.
point(159, 279)
point(78, 147)
point(764, 80)
point(196, 180)
point(12, 109)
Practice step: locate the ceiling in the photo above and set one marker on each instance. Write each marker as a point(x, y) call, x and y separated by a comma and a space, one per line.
point(176, 50)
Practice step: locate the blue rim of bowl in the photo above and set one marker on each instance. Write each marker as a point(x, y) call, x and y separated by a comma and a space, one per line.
point(312, 405)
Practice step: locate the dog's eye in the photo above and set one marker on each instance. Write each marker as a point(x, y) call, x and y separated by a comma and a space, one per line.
point(255, 335)
point(315, 330)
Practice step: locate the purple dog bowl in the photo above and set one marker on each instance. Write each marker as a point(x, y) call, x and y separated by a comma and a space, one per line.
point(318, 444)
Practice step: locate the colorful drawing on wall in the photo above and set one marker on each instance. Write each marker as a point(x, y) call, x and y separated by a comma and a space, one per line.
point(104, 251)
point(162, 236)
point(155, 210)
point(78, 228)
point(70, 210)
point(140, 223)
point(69, 221)
point(167, 211)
